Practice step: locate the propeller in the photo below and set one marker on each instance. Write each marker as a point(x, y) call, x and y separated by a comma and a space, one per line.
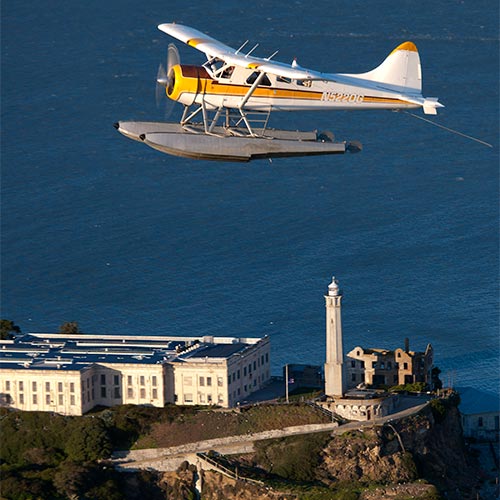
point(164, 78)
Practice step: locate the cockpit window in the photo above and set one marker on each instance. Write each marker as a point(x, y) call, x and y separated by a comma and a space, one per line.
point(265, 80)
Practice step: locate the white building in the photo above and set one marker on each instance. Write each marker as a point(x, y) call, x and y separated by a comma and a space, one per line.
point(71, 374)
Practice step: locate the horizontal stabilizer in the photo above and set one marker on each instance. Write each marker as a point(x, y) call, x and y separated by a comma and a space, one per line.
point(431, 104)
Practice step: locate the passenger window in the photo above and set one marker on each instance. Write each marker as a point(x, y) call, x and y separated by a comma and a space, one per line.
point(284, 79)
point(265, 80)
point(304, 83)
point(227, 73)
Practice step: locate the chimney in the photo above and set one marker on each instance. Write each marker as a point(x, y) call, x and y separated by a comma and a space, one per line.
point(407, 345)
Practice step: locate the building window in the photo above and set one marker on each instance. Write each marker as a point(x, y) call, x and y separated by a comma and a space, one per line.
point(374, 364)
point(155, 393)
point(141, 380)
point(21, 385)
point(33, 386)
point(209, 398)
point(72, 400)
point(405, 366)
point(143, 393)
point(239, 372)
point(480, 422)
point(103, 379)
point(209, 381)
point(267, 357)
point(229, 380)
point(71, 387)
point(399, 354)
point(103, 392)
point(201, 398)
point(60, 386)
point(153, 380)
point(353, 377)
point(117, 393)
point(47, 386)
point(129, 379)
point(220, 399)
point(21, 399)
point(262, 359)
point(382, 365)
point(250, 368)
point(220, 381)
point(245, 371)
point(353, 364)
point(61, 399)
point(255, 365)
point(116, 379)
point(188, 398)
point(202, 381)
point(93, 394)
point(47, 399)
point(188, 380)
point(7, 385)
point(35, 399)
point(130, 393)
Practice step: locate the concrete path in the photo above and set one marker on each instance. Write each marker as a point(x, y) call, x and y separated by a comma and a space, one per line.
point(168, 459)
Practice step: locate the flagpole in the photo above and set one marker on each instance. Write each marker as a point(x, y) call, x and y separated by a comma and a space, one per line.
point(286, 378)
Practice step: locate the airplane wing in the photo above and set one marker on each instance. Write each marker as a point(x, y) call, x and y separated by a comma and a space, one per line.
point(213, 48)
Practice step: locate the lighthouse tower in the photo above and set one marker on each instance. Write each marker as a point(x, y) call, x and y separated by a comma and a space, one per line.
point(335, 385)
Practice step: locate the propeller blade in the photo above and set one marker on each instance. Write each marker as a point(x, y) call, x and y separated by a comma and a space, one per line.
point(173, 57)
point(163, 79)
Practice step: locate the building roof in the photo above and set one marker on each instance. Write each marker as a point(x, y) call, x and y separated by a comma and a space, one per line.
point(54, 351)
point(217, 350)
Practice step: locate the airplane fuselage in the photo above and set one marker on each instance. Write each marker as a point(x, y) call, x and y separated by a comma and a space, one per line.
point(194, 85)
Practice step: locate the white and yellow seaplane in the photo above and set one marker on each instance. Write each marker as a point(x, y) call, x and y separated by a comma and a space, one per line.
point(228, 100)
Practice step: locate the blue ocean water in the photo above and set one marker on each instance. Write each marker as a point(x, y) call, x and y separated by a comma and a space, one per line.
point(107, 232)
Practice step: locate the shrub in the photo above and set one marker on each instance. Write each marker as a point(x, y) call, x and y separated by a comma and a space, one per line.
point(294, 458)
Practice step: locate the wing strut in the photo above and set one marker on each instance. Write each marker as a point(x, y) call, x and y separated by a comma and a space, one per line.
point(247, 96)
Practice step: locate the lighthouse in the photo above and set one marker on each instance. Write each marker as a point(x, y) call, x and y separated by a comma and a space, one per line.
point(335, 384)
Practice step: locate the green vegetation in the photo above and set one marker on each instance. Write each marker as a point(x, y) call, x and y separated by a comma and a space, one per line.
point(294, 457)
point(415, 387)
point(69, 327)
point(8, 329)
point(50, 456)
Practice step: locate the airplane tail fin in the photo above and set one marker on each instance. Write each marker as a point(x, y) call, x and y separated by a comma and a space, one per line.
point(401, 69)
point(401, 72)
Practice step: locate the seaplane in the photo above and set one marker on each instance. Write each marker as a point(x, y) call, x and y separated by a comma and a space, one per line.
point(228, 100)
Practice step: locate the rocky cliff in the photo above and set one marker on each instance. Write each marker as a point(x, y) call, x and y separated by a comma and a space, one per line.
point(423, 456)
